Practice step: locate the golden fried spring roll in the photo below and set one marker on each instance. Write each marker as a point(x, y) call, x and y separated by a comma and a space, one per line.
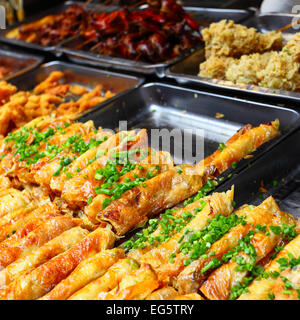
point(156, 163)
point(159, 193)
point(159, 258)
point(173, 187)
point(82, 186)
point(87, 271)
point(192, 208)
point(279, 290)
point(57, 183)
point(260, 289)
point(191, 278)
point(12, 222)
point(245, 141)
point(219, 283)
point(44, 278)
point(36, 238)
point(83, 161)
point(12, 201)
point(39, 256)
point(107, 282)
point(135, 286)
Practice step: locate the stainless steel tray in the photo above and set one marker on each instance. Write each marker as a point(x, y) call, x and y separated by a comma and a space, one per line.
point(20, 62)
point(84, 76)
point(186, 71)
point(203, 15)
point(55, 10)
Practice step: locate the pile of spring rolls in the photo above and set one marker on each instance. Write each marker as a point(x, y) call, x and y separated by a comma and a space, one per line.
point(70, 191)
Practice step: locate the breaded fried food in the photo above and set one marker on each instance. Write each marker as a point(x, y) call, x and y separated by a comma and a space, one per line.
point(246, 69)
point(271, 69)
point(227, 39)
point(276, 70)
point(215, 67)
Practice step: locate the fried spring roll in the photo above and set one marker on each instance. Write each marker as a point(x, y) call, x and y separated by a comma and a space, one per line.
point(107, 282)
point(245, 141)
point(36, 238)
point(159, 193)
point(44, 278)
point(260, 289)
point(219, 283)
point(159, 258)
point(57, 183)
point(135, 286)
point(191, 278)
point(279, 290)
point(87, 271)
point(83, 161)
point(81, 187)
point(18, 219)
point(173, 187)
point(192, 208)
point(157, 163)
point(39, 256)
point(12, 201)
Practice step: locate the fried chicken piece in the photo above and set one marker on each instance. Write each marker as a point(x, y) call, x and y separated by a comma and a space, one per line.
point(6, 91)
point(233, 40)
point(51, 82)
point(41, 105)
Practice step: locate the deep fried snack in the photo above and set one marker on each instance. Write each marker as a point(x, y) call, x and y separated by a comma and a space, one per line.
point(227, 39)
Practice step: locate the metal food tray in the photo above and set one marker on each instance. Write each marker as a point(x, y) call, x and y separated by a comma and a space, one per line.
point(279, 169)
point(203, 16)
point(160, 106)
point(211, 3)
point(186, 71)
point(20, 62)
point(55, 10)
point(120, 84)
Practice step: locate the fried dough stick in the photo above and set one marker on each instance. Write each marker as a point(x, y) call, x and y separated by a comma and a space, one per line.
point(87, 271)
point(44, 278)
point(41, 255)
point(36, 238)
point(181, 182)
point(191, 278)
point(108, 281)
point(260, 289)
point(219, 284)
